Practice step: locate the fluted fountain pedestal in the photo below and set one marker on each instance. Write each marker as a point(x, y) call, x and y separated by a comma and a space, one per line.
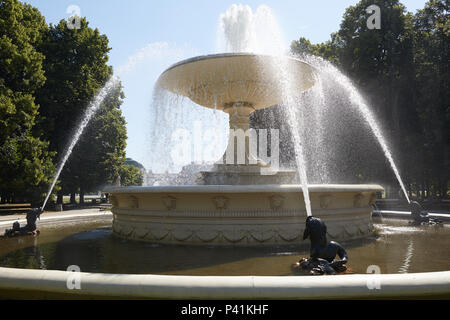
point(222, 174)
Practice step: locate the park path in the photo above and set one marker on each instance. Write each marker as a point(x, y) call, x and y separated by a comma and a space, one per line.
point(48, 216)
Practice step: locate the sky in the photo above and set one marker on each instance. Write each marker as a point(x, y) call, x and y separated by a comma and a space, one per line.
point(148, 36)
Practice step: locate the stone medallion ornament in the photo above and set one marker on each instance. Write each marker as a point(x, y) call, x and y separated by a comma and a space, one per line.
point(169, 202)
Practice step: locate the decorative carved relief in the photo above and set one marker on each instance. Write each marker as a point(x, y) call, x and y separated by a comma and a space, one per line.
point(351, 230)
point(126, 230)
point(149, 236)
point(159, 234)
point(134, 202)
point(141, 232)
point(290, 234)
point(207, 235)
point(358, 200)
point(364, 228)
point(114, 201)
point(169, 202)
point(262, 235)
point(325, 201)
point(234, 235)
point(117, 227)
point(373, 198)
point(335, 232)
point(221, 203)
point(276, 202)
point(182, 234)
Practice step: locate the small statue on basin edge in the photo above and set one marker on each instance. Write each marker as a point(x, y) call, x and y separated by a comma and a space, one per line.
point(322, 253)
point(421, 217)
point(30, 228)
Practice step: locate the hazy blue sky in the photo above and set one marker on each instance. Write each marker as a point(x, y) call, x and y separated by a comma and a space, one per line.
point(166, 31)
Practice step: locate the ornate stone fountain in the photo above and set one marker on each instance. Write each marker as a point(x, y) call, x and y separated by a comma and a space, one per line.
point(238, 202)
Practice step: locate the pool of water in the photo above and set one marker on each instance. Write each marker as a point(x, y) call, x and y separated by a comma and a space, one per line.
point(397, 248)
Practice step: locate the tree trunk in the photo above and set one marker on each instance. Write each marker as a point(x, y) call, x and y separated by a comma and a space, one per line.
point(444, 189)
point(81, 196)
point(422, 191)
point(59, 197)
point(72, 198)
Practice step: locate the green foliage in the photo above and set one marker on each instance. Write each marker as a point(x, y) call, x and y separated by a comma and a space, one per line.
point(25, 162)
point(374, 57)
point(100, 154)
point(431, 61)
point(402, 69)
point(76, 67)
point(328, 50)
point(48, 77)
point(131, 176)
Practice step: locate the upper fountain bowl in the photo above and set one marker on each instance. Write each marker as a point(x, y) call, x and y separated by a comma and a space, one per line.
point(220, 80)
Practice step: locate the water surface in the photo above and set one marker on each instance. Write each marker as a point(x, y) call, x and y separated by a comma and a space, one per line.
point(397, 248)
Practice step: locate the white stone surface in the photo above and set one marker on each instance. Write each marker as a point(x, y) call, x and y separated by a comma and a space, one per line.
point(239, 214)
point(413, 285)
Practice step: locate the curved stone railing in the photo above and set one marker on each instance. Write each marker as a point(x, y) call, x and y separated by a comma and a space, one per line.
point(24, 283)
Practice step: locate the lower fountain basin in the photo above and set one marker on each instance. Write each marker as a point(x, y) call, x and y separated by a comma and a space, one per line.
point(239, 215)
point(116, 268)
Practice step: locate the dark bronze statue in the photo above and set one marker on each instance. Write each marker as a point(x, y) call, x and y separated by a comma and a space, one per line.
point(322, 253)
point(30, 228)
point(420, 217)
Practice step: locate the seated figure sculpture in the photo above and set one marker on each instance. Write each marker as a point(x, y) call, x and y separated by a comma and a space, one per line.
point(322, 253)
point(29, 229)
point(420, 217)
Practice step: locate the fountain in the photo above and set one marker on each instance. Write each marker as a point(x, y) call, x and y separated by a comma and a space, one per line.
point(242, 201)
point(239, 202)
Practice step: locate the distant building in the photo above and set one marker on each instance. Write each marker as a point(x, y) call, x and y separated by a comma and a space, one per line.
point(187, 176)
point(134, 163)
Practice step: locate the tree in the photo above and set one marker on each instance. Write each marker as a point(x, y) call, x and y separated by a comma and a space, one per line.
point(131, 175)
point(329, 50)
point(26, 168)
point(99, 156)
point(76, 68)
point(402, 70)
point(431, 57)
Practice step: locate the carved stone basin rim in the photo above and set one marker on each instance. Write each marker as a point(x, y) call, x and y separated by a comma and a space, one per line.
point(246, 188)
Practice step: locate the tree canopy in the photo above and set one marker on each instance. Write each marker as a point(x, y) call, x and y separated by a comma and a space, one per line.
point(48, 77)
point(25, 160)
point(402, 69)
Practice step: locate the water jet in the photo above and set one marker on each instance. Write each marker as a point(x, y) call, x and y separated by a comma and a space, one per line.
point(237, 204)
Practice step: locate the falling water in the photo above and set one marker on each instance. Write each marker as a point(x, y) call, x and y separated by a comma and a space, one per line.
point(292, 105)
point(299, 158)
point(90, 112)
point(315, 110)
point(242, 30)
point(407, 261)
point(326, 69)
point(152, 49)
